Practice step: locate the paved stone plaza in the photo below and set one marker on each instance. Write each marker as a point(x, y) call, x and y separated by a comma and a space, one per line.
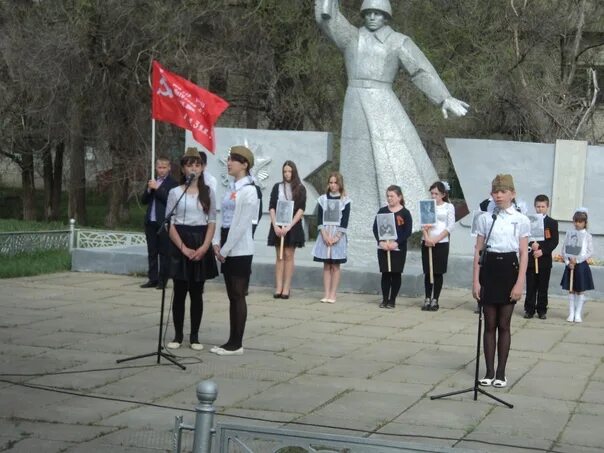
point(350, 368)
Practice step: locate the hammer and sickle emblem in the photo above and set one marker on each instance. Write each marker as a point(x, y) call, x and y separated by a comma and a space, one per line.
point(165, 90)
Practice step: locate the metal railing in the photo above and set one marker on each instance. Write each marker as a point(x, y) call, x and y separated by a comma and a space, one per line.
point(13, 243)
point(227, 438)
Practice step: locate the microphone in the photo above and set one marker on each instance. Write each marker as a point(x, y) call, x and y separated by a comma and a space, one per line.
point(495, 212)
point(190, 178)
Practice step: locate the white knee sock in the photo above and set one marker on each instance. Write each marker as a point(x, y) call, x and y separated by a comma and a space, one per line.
point(579, 307)
point(571, 307)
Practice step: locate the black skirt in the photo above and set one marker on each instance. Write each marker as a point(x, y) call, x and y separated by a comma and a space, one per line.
point(397, 260)
point(181, 267)
point(293, 238)
point(582, 278)
point(440, 257)
point(497, 277)
point(237, 266)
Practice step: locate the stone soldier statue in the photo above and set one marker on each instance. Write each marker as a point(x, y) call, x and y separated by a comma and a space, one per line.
point(379, 142)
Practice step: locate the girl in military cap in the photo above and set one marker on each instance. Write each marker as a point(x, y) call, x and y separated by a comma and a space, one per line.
point(499, 275)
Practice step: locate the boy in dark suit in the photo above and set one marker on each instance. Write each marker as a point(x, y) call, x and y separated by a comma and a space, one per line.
point(156, 196)
point(541, 251)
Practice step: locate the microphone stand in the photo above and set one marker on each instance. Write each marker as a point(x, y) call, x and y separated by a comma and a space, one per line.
point(159, 352)
point(476, 388)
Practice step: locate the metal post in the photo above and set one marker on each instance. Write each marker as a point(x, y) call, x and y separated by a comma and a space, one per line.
point(207, 391)
point(72, 235)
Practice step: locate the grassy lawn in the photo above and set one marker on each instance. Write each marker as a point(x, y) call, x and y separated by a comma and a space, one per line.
point(28, 264)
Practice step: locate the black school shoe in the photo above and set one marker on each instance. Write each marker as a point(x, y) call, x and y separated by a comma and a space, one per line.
point(149, 284)
point(542, 316)
point(529, 315)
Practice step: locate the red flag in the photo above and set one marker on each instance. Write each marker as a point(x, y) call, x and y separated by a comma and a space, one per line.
point(184, 104)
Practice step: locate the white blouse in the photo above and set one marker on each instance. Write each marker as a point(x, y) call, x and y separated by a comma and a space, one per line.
point(189, 210)
point(572, 238)
point(509, 227)
point(445, 220)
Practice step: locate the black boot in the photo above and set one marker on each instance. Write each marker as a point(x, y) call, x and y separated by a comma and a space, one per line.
point(434, 305)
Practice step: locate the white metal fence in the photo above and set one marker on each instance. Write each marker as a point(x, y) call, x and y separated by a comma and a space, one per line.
point(31, 241)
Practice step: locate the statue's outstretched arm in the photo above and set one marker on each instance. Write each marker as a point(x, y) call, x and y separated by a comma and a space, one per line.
point(333, 22)
point(425, 77)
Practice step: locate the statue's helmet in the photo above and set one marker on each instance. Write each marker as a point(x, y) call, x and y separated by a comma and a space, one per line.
point(379, 5)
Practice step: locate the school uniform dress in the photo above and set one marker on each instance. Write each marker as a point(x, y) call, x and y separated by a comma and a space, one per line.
point(445, 220)
point(239, 210)
point(295, 236)
point(499, 271)
point(403, 222)
point(157, 245)
point(337, 253)
point(537, 285)
point(582, 278)
point(191, 223)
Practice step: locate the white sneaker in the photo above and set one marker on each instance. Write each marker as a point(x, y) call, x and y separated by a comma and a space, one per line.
point(221, 351)
point(197, 346)
point(173, 345)
point(214, 349)
point(571, 318)
point(578, 318)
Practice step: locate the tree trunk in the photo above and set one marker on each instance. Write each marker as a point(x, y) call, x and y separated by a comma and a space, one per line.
point(57, 186)
point(117, 191)
point(77, 167)
point(47, 177)
point(27, 180)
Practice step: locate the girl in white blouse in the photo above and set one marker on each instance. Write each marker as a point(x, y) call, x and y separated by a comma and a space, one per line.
point(192, 257)
point(500, 274)
point(577, 249)
point(236, 248)
point(436, 237)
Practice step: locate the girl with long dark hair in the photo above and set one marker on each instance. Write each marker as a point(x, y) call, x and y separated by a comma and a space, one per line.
point(291, 188)
point(192, 258)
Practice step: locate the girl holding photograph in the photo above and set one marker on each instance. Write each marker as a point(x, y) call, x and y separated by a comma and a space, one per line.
point(436, 237)
point(332, 242)
point(291, 188)
point(392, 277)
point(192, 258)
point(499, 275)
point(582, 278)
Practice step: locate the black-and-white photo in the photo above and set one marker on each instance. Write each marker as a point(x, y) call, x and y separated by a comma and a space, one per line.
point(285, 212)
point(386, 227)
point(475, 216)
point(537, 228)
point(332, 213)
point(574, 243)
point(427, 212)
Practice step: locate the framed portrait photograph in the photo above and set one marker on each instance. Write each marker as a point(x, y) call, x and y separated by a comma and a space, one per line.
point(475, 216)
point(427, 212)
point(285, 212)
point(332, 213)
point(537, 228)
point(574, 243)
point(386, 227)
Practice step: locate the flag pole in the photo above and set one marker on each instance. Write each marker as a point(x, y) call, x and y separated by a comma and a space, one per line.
point(153, 148)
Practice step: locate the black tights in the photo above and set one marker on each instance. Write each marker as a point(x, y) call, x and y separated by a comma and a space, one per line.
point(236, 287)
point(497, 324)
point(438, 286)
point(391, 285)
point(195, 290)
